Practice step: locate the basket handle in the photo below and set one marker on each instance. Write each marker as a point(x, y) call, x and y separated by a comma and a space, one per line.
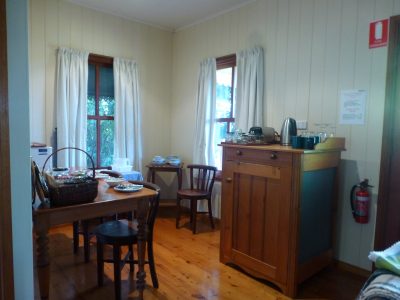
point(68, 148)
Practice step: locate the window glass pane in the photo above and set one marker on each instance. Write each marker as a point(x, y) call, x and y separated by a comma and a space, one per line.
point(107, 142)
point(232, 127)
point(91, 141)
point(92, 80)
point(220, 130)
point(106, 82)
point(106, 106)
point(224, 93)
point(91, 106)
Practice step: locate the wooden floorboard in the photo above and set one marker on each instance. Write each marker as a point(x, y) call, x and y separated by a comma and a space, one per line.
point(188, 267)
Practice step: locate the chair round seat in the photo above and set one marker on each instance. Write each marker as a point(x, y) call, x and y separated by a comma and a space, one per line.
point(115, 232)
point(193, 193)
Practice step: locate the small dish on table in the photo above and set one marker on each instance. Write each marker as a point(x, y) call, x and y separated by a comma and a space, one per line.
point(114, 181)
point(128, 187)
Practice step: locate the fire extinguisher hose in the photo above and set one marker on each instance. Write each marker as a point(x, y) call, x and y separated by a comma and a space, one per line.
point(352, 199)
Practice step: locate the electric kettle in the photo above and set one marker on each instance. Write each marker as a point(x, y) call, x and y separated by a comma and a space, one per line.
point(288, 130)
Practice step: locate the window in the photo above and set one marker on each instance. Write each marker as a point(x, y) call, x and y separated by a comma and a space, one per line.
point(225, 102)
point(100, 110)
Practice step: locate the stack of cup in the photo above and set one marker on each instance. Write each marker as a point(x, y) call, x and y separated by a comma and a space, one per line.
point(305, 141)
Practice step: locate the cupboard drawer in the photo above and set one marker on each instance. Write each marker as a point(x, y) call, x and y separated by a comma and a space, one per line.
point(258, 156)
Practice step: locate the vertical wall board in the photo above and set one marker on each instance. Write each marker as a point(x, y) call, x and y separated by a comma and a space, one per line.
point(271, 24)
point(346, 61)
point(305, 57)
point(350, 232)
point(64, 23)
point(330, 85)
point(76, 27)
point(88, 30)
point(291, 72)
point(318, 53)
point(281, 49)
point(37, 74)
point(51, 41)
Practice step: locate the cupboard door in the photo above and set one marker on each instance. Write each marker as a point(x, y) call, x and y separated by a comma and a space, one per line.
point(255, 229)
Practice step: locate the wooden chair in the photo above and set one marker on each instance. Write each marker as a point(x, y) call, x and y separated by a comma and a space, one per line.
point(123, 233)
point(84, 227)
point(201, 184)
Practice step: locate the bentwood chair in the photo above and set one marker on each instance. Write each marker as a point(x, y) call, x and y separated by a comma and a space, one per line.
point(119, 233)
point(201, 185)
point(84, 227)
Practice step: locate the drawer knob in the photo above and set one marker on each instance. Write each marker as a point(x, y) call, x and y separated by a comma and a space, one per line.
point(228, 179)
point(274, 156)
point(238, 152)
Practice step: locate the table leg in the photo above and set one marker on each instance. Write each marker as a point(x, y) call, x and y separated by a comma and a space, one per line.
point(179, 171)
point(149, 175)
point(141, 218)
point(43, 262)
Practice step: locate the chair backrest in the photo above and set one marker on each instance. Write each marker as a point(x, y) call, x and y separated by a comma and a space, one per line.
point(112, 173)
point(153, 204)
point(202, 177)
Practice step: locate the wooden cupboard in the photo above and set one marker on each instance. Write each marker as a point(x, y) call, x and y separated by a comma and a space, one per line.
point(278, 209)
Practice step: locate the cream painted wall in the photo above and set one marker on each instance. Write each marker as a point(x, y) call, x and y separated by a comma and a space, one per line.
point(56, 23)
point(313, 50)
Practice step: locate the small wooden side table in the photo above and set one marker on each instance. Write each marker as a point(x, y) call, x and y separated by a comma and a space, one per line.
point(153, 168)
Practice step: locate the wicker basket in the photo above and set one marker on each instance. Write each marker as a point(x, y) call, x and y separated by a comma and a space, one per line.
point(64, 194)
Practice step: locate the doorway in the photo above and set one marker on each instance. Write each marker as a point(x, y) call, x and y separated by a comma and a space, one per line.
point(387, 229)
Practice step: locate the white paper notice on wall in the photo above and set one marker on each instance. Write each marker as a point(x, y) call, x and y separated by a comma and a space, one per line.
point(352, 107)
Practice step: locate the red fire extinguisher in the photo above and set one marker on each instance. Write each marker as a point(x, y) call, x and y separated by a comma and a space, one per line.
point(359, 201)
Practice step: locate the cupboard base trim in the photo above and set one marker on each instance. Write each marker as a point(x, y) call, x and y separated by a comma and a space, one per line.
point(253, 273)
point(314, 265)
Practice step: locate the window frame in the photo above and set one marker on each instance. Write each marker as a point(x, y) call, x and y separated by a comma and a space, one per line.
point(227, 61)
point(99, 61)
point(223, 62)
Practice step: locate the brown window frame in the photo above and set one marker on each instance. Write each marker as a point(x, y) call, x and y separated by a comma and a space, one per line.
point(223, 62)
point(99, 61)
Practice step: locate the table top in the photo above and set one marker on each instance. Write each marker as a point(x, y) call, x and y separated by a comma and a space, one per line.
point(164, 166)
point(107, 200)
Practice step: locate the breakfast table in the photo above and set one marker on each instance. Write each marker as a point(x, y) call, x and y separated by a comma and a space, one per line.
point(107, 201)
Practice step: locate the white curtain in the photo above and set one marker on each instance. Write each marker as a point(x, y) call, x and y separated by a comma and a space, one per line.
point(250, 88)
point(205, 113)
point(71, 103)
point(128, 133)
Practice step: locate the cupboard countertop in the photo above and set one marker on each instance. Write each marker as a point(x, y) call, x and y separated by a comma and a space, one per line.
point(331, 144)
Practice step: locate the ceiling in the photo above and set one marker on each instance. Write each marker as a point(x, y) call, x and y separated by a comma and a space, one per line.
point(167, 14)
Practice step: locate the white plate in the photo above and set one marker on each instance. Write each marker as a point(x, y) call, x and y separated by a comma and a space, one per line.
point(131, 188)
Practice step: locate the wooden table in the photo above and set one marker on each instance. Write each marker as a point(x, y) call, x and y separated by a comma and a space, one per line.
point(107, 201)
point(153, 168)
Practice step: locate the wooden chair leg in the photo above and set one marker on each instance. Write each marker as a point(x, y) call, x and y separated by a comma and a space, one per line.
point(178, 212)
point(117, 271)
point(100, 264)
point(131, 260)
point(86, 240)
point(193, 211)
point(75, 236)
point(210, 213)
point(152, 266)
